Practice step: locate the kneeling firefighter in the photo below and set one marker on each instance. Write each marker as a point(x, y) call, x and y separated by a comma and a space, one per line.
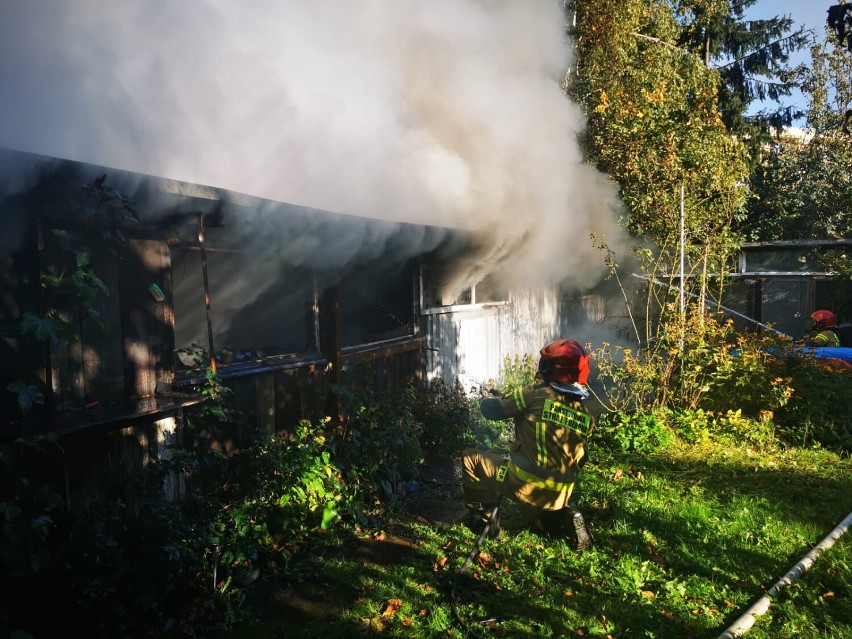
point(546, 454)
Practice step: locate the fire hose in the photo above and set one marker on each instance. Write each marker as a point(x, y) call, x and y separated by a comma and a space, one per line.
point(466, 623)
point(747, 619)
point(473, 552)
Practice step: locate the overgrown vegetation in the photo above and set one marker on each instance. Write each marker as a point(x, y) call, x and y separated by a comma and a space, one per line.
point(159, 568)
point(702, 377)
point(695, 502)
point(686, 539)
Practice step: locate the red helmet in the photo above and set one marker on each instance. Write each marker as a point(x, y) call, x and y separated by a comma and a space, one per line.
point(824, 319)
point(564, 360)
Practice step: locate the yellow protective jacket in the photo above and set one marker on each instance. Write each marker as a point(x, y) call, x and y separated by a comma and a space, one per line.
point(828, 337)
point(548, 449)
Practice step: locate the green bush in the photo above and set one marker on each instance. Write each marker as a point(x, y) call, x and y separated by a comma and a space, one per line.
point(703, 364)
point(729, 427)
point(638, 433)
point(179, 569)
point(30, 511)
point(378, 442)
point(517, 371)
point(710, 380)
point(284, 491)
point(819, 409)
point(447, 418)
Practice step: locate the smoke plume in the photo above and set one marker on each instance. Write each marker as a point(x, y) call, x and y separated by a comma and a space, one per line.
point(447, 112)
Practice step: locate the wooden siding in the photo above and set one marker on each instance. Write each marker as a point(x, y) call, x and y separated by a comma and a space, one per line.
point(469, 343)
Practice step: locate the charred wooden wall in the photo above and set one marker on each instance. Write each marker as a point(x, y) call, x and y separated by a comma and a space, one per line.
point(115, 393)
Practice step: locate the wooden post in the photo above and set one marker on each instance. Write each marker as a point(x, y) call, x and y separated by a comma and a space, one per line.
point(330, 347)
point(46, 347)
point(202, 246)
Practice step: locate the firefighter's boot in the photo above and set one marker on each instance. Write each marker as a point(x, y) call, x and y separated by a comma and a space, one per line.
point(480, 515)
point(569, 524)
point(581, 539)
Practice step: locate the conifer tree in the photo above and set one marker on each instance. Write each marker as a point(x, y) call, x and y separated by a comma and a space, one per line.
point(751, 57)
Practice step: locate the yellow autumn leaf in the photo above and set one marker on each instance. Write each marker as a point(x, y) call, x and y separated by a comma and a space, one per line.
point(374, 623)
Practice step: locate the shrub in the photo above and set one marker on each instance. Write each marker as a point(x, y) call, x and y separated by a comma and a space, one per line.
point(378, 441)
point(637, 433)
point(516, 372)
point(283, 492)
point(447, 416)
point(705, 365)
point(755, 388)
point(819, 409)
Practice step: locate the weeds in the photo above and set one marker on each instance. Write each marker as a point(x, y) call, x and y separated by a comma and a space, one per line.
point(757, 389)
point(686, 539)
point(694, 508)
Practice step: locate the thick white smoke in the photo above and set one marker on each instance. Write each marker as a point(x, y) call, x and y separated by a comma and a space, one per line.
point(445, 112)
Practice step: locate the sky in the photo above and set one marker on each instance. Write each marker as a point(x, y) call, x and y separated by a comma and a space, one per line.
point(811, 13)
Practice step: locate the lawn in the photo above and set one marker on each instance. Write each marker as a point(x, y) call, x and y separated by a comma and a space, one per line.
point(686, 539)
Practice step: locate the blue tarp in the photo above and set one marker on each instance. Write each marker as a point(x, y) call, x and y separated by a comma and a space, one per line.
point(819, 352)
point(830, 352)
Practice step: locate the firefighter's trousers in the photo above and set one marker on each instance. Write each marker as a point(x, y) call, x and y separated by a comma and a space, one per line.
point(479, 476)
point(486, 475)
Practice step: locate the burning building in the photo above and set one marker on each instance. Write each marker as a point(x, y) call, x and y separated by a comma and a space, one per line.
point(121, 289)
point(441, 205)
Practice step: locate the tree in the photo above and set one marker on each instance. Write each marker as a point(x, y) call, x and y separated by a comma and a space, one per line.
point(654, 125)
point(804, 187)
point(840, 22)
point(653, 120)
point(751, 56)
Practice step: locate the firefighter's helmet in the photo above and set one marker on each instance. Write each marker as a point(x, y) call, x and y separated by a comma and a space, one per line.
point(824, 319)
point(564, 361)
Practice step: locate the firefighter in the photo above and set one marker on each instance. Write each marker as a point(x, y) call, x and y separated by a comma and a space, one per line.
point(547, 452)
point(826, 332)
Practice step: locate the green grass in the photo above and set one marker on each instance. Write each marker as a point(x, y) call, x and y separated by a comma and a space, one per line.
point(686, 540)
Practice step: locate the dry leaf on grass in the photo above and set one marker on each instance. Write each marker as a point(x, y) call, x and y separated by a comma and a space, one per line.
point(439, 564)
point(392, 607)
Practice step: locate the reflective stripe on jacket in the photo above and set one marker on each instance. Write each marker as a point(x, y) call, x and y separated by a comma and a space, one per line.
point(827, 337)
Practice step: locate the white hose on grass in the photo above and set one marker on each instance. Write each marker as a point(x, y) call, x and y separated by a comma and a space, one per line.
point(747, 619)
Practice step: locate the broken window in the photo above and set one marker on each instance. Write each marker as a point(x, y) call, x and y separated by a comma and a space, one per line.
point(377, 302)
point(260, 305)
point(444, 285)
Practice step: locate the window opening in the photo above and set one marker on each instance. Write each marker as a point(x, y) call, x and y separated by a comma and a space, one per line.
point(261, 306)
